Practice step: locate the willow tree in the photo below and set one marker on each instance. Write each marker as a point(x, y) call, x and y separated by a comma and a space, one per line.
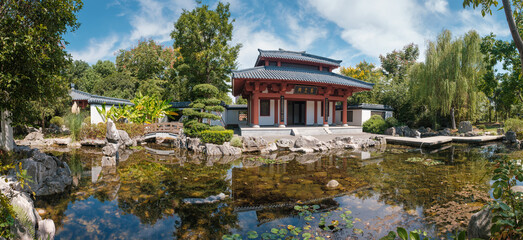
point(446, 83)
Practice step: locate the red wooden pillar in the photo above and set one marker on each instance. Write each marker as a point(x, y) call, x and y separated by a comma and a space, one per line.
point(249, 110)
point(326, 112)
point(255, 110)
point(282, 111)
point(333, 113)
point(344, 113)
point(315, 112)
point(276, 113)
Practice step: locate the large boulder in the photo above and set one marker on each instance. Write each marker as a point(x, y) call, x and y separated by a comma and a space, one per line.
point(445, 132)
point(228, 150)
point(33, 227)
point(284, 144)
point(125, 140)
point(390, 131)
point(511, 137)
point(34, 136)
point(112, 134)
point(110, 150)
point(307, 142)
point(193, 144)
point(465, 126)
point(49, 174)
point(254, 144)
point(480, 224)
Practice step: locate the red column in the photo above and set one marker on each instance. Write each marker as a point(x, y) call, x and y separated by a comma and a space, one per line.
point(326, 112)
point(249, 110)
point(282, 114)
point(334, 113)
point(344, 113)
point(315, 112)
point(276, 112)
point(255, 110)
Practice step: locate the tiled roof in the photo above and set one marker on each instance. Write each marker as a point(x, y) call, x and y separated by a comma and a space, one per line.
point(95, 99)
point(237, 106)
point(298, 56)
point(298, 74)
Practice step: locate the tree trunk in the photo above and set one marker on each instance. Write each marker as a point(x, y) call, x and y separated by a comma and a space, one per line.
point(513, 29)
point(6, 132)
point(453, 118)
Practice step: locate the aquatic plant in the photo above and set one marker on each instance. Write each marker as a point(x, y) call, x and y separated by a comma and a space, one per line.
point(426, 162)
point(417, 235)
point(265, 160)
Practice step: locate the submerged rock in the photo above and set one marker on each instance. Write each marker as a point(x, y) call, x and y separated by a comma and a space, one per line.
point(480, 224)
point(211, 199)
point(333, 184)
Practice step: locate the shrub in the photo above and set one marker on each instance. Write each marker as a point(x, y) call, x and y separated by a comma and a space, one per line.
point(216, 137)
point(482, 127)
point(74, 123)
point(87, 120)
point(392, 122)
point(97, 131)
point(514, 124)
point(375, 124)
point(216, 128)
point(133, 129)
point(57, 120)
point(193, 128)
point(237, 142)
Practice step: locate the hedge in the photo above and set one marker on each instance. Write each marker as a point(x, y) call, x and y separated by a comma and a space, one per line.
point(375, 124)
point(57, 120)
point(216, 137)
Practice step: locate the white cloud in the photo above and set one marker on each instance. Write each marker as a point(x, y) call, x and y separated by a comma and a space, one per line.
point(302, 35)
point(97, 49)
point(374, 27)
point(437, 6)
point(472, 19)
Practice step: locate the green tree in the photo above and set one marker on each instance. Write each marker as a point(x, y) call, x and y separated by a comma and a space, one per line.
point(104, 68)
point(446, 83)
point(117, 85)
point(155, 68)
point(83, 76)
point(513, 25)
point(32, 51)
point(370, 73)
point(203, 37)
point(396, 63)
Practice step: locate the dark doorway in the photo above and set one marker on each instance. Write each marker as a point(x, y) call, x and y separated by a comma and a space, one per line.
point(295, 112)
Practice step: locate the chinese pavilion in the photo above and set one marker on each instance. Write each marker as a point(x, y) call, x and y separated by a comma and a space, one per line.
point(294, 88)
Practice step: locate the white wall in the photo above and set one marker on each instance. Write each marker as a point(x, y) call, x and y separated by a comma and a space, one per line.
point(365, 115)
point(266, 120)
point(309, 106)
point(95, 116)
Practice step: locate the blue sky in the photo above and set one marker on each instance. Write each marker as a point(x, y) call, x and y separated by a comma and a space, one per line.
point(349, 30)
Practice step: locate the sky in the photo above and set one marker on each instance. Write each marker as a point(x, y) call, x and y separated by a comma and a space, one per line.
point(347, 30)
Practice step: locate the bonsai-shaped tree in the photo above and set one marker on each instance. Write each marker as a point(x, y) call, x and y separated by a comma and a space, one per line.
point(204, 104)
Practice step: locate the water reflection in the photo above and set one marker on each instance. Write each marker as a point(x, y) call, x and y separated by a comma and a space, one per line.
point(180, 195)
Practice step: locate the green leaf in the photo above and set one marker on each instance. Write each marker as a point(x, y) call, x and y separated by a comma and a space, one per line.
point(402, 233)
point(462, 235)
point(306, 235)
point(252, 234)
point(274, 230)
point(414, 236)
point(497, 192)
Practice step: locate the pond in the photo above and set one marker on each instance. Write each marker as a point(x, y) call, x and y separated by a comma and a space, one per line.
point(185, 196)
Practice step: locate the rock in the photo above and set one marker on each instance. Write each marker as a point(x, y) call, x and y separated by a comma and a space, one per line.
point(49, 174)
point(93, 142)
point(390, 131)
point(193, 144)
point(511, 137)
point(445, 132)
point(112, 134)
point(253, 144)
point(125, 140)
point(228, 150)
point(517, 189)
point(284, 144)
point(272, 147)
point(417, 134)
point(423, 129)
point(480, 224)
point(110, 150)
point(210, 199)
point(34, 136)
point(109, 161)
point(333, 184)
point(302, 150)
point(500, 131)
point(307, 142)
point(62, 141)
point(212, 149)
point(465, 126)
point(46, 228)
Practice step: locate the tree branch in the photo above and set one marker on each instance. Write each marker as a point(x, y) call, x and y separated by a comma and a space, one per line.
point(513, 30)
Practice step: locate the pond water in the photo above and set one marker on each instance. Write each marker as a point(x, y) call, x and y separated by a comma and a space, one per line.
point(184, 196)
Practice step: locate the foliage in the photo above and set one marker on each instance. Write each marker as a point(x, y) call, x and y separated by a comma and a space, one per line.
point(154, 67)
point(375, 124)
point(32, 52)
point(202, 108)
point(87, 120)
point(507, 221)
point(193, 128)
point(7, 216)
point(241, 100)
point(392, 122)
point(446, 83)
point(98, 131)
point(426, 162)
point(266, 160)
point(74, 123)
point(397, 63)
point(117, 85)
point(417, 235)
point(149, 109)
point(216, 137)
point(57, 120)
point(203, 37)
point(514, 124)
point(366, 72)
point(236, 142)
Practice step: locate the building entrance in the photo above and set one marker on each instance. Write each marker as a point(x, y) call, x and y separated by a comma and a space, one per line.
point(296, 112)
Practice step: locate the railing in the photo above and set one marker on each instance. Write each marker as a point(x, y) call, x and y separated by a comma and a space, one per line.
point(168, 127)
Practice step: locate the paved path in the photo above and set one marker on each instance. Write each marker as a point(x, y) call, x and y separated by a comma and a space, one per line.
point(439, 140)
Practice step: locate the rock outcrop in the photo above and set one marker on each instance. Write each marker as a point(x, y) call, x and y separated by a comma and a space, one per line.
point(465, 126)
point(49, 174)
point(28, 224)
point(254, 144)
point(480, 224)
